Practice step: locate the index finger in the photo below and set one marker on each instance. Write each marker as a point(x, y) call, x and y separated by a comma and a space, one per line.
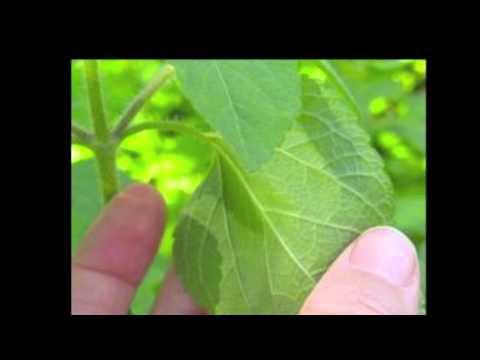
point(116, 252)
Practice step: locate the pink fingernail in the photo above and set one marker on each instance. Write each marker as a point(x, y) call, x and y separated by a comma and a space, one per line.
point(386, 252)
point(140, 191)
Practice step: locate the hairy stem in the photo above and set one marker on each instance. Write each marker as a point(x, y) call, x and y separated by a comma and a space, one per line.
point(96, 102)
point(105, 148)
point(129, 113)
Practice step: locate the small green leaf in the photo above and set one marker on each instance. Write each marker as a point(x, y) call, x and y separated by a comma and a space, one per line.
point(252, 103)
point(257, 243)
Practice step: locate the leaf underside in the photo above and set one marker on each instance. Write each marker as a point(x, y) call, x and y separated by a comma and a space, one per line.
point(251, 103)
point(257, 243)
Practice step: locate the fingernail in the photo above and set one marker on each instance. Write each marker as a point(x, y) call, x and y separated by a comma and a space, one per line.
point(386, 252)
point(140, 191)
point(137, 203)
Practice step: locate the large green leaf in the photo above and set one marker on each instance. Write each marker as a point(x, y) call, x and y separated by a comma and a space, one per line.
point(257, 243)
point(86, 198)
point(252, 103)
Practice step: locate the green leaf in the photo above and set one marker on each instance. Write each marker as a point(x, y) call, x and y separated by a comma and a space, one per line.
point(148, 290)
point(86, 198)
point(412, 124)
point(410, 211)
point(252, 103)
point(257, 243)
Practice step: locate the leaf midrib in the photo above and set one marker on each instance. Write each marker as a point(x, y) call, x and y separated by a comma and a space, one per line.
point(232, 106)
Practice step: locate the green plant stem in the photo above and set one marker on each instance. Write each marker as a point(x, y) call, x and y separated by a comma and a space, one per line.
point(106, 155)
point(169, 126)
point(129, 113)
point(96, 101)
point(104, 147)
point(104, 143)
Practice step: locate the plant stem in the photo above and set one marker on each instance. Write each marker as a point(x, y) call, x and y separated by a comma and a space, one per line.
point(106, 155)
point(169, 126)
point(81, 135)
point(105, 148)
point(96, 101)
point(129, 113)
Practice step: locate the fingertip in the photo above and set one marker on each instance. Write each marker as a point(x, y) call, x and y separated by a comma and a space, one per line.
point(117, 250)
point(386, 252)
point(143, 192)
point(377, 274)
point(125, 237)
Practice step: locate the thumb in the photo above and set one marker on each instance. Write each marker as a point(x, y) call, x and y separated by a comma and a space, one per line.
point(376, 275)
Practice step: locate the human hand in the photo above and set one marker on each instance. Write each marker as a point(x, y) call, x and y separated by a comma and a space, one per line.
point(377, 274)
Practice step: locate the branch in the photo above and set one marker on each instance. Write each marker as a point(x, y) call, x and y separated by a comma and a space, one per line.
point(81, 135)
point(129, 113)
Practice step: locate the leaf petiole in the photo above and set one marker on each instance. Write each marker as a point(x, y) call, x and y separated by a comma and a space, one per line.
point(129, 113)
point(170, 126)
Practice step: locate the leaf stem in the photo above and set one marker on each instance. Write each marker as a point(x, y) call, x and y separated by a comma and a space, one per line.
point(129, 113)
point(169, 126)
point(104, 147)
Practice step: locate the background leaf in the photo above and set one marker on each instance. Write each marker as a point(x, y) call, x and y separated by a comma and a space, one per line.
point(252, 103)
point(87, 200)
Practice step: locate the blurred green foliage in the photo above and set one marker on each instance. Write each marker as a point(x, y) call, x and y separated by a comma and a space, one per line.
point(173, 163)
point(391, 95)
